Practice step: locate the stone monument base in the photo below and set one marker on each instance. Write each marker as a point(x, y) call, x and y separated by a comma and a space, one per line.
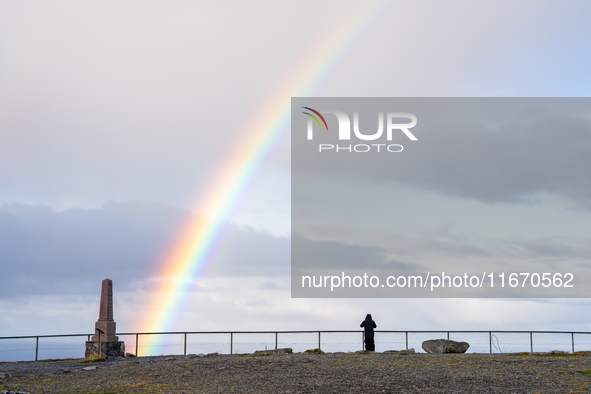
point(109, 350)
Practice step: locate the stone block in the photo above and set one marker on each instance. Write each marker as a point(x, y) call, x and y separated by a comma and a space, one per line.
point(109, 350)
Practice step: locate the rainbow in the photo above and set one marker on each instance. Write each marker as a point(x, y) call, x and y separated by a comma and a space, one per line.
point(191, 253)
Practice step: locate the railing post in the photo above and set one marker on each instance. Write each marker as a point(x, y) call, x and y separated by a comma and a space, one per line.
point(100, 351)
point(185, 344)
point(363, 340)
point(137, 350)
point(88, 338)
point(318, 339)
point(448, 335)
point(231, 343)
point(490, 341)
point(36, 348)
point(276, 340)
point(531, 341)
point(407, 340)
point(573, 340)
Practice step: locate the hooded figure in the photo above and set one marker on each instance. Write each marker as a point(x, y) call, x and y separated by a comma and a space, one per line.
point(368, 324)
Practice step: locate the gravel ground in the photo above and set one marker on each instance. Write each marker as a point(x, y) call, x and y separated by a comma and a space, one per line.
point(308, 373)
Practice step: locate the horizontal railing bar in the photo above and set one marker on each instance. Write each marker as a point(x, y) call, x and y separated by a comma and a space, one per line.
point(353, 331)
point(311, 332)
point(48, 336)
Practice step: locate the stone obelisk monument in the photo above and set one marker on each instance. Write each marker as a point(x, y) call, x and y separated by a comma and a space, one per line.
point(104, 328)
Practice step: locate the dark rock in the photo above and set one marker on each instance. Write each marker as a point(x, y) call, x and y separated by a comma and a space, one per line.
point(440, 346)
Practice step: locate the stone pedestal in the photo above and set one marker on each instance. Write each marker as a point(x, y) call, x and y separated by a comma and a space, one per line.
point(109, 350)
point(104, 329)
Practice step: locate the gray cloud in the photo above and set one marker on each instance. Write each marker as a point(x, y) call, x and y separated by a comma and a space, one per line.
point(561, 248)
point(244, 251)
point(444, 242)
point(491, 150)
point(550, 155)
point(269, 285)
point(311, 254)
point(69, 252)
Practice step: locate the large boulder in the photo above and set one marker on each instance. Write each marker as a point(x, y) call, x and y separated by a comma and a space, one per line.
point(440, 346)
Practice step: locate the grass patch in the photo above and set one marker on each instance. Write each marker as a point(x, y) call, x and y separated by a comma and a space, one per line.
point(314, 351)
point(586, 372)
point(91, 360)
point(558, 355)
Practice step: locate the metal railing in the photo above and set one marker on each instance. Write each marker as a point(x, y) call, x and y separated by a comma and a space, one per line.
point(137, 339)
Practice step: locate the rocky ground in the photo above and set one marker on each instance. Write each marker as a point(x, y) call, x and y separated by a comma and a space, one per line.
point(308, 373)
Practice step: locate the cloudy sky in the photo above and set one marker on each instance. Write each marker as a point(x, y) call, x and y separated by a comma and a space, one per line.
point(116, 117)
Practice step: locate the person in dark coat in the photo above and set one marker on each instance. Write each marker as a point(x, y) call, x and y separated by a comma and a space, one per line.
point(368, 324)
